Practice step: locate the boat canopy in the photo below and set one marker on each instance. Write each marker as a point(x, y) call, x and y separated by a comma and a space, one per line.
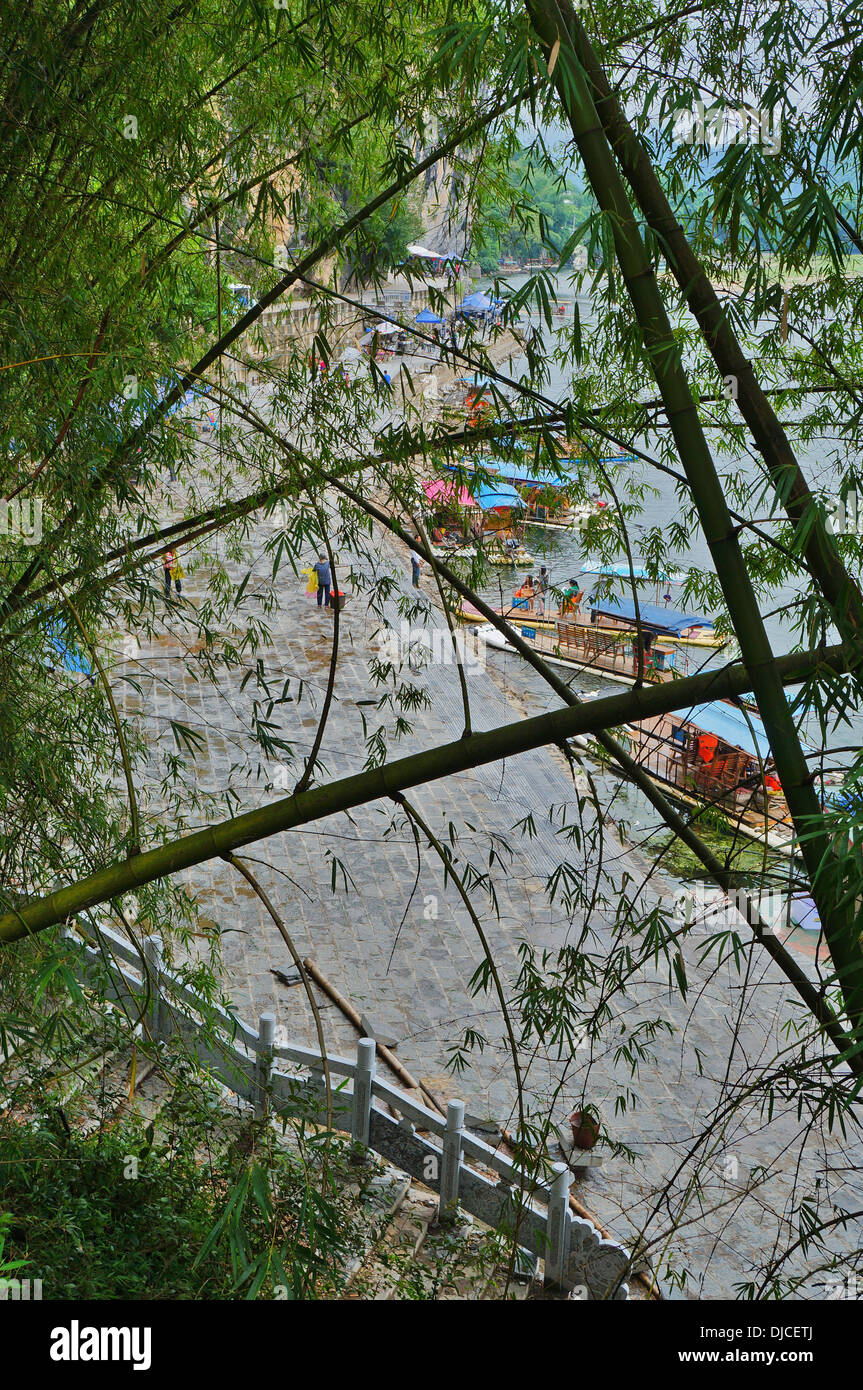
point(440, 491)
point(637, 572)
point(576, 459)
point(668, 620)
point(513, 472)
point(740, 728)
point(516, 473)
point(490, 497)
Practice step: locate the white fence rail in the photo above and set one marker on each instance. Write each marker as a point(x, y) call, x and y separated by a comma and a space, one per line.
point(246, 1060)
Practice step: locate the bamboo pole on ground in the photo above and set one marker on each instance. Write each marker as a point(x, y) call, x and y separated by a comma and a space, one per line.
point(383, 1051)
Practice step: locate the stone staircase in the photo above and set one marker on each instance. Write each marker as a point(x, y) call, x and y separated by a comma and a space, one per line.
point(401, 1250)
point(409, 1176)
point(409, 1255)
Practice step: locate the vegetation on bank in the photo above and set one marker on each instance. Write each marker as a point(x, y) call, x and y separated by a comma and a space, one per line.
point(542, 215)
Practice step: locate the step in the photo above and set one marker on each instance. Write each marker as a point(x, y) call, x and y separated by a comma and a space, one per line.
point(390, 1270)
point(380, 1190)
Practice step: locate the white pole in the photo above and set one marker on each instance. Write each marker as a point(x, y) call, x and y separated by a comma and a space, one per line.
point(264, 1066)
point(450, 1170)
point(153, 981)
point(559, 1221)
point(363, 1082)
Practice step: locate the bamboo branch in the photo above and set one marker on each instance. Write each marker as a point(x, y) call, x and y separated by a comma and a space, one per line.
point(445, 760)
point(331, 242)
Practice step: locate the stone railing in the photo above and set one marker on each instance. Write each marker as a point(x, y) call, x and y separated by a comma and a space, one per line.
point(439, 1152)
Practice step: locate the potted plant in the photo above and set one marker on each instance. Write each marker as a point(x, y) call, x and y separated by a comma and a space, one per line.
point(585, 1127)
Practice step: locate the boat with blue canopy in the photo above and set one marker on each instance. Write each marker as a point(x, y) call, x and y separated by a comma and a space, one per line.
point(693, 628)
point(718, 753)
point(543, 492)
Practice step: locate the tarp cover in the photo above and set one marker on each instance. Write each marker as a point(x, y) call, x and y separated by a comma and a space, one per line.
point(479, 302)
point(730, 724)
point(439, 491)
point(623, 572)
point(652, 616)
point(500, 495)
point(518, 473)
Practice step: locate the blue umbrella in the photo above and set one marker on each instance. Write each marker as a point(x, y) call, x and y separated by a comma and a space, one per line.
point(479, 302)
point(426, 316)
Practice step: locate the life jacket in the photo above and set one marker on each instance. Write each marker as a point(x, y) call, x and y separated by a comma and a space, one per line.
point(707, 746)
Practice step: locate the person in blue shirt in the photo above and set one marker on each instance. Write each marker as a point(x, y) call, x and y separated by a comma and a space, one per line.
point(322, 570)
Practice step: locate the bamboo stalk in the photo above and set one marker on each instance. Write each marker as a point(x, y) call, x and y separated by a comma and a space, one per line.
point(663, 356)
point(792, 490)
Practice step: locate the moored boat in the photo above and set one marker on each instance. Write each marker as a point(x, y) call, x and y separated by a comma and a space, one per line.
point(715, 754)
point(488, 516)
point(624, 652)
point(718, 754)
point(615, 640)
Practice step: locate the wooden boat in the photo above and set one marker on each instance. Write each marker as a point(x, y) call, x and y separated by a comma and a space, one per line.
point(543, 493)
point(621, 653)
point(614, 618)
point(691, 629)
point(717, 754)
point(489, 516)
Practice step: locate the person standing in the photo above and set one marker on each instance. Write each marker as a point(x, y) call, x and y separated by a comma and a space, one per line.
point(322, 570)
point(415, 569)
point(172, 571)
point(542, 584)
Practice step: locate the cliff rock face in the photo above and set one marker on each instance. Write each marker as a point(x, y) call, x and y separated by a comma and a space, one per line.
point(444, 212)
